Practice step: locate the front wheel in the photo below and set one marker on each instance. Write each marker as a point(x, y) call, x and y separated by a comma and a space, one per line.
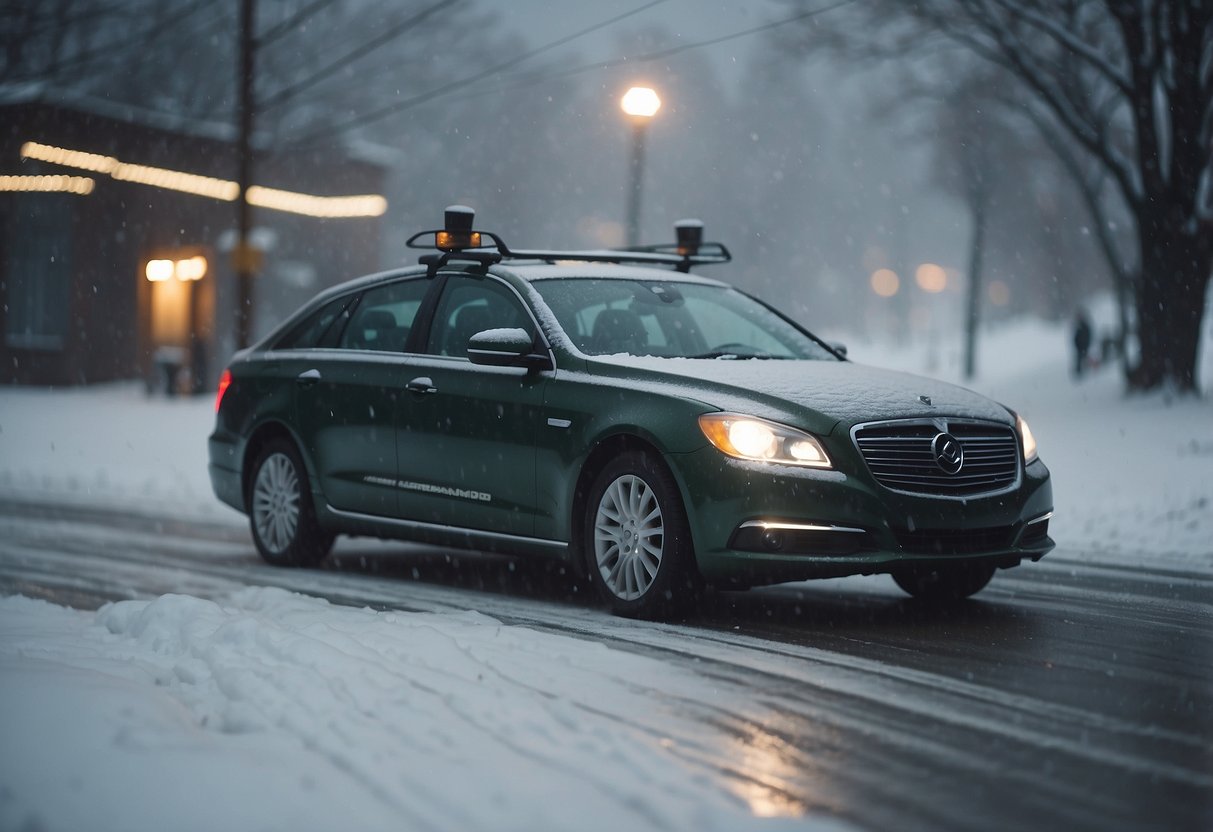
point(945, 585)
point(637, 541)
point(280, 511)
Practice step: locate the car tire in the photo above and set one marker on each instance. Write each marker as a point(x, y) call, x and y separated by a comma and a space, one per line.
point(943, 586)
point(637, 541)
point(280, 509)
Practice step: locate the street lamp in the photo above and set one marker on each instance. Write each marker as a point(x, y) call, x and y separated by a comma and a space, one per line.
point(640, 104)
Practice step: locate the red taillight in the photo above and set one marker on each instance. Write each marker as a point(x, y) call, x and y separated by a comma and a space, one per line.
point(225, 381)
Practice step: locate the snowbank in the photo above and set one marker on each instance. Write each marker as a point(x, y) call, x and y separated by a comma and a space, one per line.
point(275, 711)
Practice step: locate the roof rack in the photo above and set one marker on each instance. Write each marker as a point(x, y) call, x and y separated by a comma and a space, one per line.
point(458, 241)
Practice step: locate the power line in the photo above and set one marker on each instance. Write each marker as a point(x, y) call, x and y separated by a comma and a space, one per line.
point(375, 115)
point(359, 52)
point(108, 52)
point(286, 26)
point(525, 81)
point(673, 50)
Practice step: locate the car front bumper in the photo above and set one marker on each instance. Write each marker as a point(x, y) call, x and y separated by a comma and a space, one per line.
point(756, 523)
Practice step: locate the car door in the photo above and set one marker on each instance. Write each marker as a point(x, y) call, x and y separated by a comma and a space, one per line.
point(466, 439)
point(347, 396)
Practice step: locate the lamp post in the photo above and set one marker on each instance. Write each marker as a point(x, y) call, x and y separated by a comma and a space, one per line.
point(640, 104)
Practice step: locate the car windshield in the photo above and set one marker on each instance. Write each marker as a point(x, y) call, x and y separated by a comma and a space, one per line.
point(672, 319)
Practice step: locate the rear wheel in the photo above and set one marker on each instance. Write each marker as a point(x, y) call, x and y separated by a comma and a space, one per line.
point(637, 541)
point(945, 585)
point(280, 511)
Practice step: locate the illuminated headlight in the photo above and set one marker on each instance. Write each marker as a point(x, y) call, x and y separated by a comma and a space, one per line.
point(1029, 441)
point(747, 437)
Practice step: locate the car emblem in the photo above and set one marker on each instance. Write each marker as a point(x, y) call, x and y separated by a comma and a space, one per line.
point(948, 453)
point(925, 400)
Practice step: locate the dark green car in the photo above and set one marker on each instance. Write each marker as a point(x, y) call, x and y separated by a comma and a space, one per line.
point(655, 429)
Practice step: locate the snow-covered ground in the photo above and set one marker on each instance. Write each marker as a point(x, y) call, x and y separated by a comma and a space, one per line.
point(267, 710)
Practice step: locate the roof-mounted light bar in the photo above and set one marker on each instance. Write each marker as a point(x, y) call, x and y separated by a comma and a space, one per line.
point(689, 249)
point(689, 236)
point(457, 233)
point(458, 240)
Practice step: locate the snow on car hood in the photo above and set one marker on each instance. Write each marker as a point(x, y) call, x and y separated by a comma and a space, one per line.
point(835, 390)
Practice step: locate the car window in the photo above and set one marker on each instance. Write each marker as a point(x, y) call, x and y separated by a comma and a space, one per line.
point(470, 305)
point(672, 319)
point(317, 329)
point(384, 317)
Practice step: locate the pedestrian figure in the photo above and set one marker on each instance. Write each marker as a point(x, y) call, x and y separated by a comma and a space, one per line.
point(1082, 342)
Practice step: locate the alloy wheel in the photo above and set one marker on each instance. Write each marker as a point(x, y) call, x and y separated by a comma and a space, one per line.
point(276, 498)
point(629, 537)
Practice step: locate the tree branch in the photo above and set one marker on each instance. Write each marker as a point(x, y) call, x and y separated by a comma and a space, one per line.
point(1068, 40)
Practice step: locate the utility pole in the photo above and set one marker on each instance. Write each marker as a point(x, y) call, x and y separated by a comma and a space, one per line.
point(979, 203)
point(243, 258)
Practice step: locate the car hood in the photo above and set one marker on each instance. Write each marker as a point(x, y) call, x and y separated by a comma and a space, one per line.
point(818, 394)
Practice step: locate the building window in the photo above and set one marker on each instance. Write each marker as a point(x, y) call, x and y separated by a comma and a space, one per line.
point(38, 273)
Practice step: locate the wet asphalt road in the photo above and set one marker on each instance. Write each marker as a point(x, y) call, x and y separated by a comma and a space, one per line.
point(1065, 696)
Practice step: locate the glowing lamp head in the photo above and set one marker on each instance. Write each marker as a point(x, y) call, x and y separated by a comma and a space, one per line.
point(457, 232)
point(753, 439)
point(640, 102)
point(157, 270)
point(806, 452)
point(689, 236)
point(192, 268)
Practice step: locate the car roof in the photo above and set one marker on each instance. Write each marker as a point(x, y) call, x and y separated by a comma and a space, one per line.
point(535, 271)
point(524, 270)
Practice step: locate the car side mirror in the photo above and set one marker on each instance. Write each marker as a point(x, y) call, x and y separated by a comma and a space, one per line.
point(512, 347)
point(839, 347)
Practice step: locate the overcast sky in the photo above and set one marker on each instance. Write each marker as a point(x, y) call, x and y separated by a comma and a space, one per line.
point(691, 21)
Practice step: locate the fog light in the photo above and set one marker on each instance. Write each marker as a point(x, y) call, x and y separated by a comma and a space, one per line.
point(773, 540)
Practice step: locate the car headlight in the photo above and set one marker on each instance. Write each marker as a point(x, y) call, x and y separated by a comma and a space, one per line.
point(748, 437)
point(1029, 441)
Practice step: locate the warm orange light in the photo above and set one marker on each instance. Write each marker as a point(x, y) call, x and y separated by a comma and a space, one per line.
point(640, 102)
point(885, 282)
point(363, 205)
point(192, 268)
point(175, 180)
point(68, 158)
point(158, 270)
point(357, 205)
point(81, 185)
point(931, 278)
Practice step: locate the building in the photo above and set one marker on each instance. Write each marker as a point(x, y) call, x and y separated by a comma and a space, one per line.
point(117, 237)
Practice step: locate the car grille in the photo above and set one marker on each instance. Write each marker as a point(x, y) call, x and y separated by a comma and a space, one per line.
point(900, 457)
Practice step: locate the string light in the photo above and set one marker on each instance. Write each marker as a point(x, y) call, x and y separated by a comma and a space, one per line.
point(82, 185)
point(310, 205)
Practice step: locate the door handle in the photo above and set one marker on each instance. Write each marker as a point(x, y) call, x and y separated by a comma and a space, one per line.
point(421, 384)
point(307, 378)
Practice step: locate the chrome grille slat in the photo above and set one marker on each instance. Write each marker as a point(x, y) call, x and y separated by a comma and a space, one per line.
point(900, 457)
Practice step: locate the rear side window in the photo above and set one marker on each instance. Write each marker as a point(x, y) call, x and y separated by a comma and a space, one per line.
point(311, 332)
point(384, 317)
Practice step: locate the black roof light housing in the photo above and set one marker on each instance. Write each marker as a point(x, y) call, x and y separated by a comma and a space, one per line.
point(459, 240)
point(689, 236)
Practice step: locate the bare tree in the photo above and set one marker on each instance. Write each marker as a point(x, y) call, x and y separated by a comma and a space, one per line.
point(1123, 90)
